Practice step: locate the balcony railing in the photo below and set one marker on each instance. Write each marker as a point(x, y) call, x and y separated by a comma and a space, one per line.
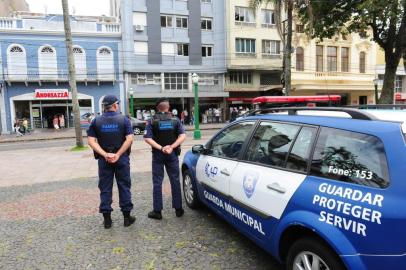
point(60, 76)
point(44, 25)
point(328, 73)
point(111, 27)
point(7, 23)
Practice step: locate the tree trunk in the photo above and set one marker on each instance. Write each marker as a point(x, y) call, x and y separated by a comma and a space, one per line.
point(288, 48)
point(404, 58)
point(392, 62)
point(72, 74)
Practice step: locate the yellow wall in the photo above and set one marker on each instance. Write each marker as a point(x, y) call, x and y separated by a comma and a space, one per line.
point(254, 31)
point(353, 83)
point(380, 57)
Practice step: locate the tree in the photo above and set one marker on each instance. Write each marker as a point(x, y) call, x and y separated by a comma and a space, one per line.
point(386, 19)
point(72, 74)
point(287, 52)
point(289, 6)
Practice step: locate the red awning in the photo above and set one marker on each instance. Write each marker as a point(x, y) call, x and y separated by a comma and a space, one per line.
point(296, 99)
point(400, 96)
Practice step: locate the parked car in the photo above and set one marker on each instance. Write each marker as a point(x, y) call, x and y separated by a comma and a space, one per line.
point(138, 125)
point(316, 192)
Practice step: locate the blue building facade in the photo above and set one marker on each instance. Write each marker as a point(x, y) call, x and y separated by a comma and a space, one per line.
point(165, 42)
point(34, 67)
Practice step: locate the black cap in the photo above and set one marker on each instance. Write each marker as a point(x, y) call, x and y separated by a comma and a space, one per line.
point(110, 99)
point(160, 100)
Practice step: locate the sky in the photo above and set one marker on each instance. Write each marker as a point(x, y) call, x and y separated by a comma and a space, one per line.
point(81, 7)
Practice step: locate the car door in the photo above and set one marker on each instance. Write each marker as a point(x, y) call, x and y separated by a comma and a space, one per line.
point(274, 166)
point(214, 169)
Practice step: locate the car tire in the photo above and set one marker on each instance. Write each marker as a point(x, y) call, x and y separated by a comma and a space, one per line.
point(137, 130)
point(307, 250)
point(189, 191)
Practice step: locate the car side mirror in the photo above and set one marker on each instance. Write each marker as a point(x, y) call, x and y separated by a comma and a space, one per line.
point(199, 149)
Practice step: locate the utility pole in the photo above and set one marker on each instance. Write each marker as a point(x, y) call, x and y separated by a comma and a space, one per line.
point(288, 48)
point(72, 74)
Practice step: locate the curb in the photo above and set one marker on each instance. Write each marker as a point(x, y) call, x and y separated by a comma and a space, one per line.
point(72, 137)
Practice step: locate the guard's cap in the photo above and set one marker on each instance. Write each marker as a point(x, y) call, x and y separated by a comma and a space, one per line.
point(160, 100)
point(110, 99)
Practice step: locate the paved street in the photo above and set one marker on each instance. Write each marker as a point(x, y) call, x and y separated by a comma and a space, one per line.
point(64, 142)
point(49, 220)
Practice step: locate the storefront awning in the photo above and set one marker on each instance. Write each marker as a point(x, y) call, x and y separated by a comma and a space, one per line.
point(400, 96)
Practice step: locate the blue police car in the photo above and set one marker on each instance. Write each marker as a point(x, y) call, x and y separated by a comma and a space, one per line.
point(316, 192)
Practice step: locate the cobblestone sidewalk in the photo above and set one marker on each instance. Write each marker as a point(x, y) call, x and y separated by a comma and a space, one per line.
point(56, 226)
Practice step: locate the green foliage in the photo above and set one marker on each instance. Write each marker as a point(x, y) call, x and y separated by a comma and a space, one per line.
point(386, 19)
point(77, 149)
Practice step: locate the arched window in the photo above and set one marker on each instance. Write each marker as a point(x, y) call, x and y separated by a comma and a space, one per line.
point(299, 59)
point(362, 62)
point(48, 68)
point(80, 63)
point(105, 64)
point(16, 62)
point(104, 51)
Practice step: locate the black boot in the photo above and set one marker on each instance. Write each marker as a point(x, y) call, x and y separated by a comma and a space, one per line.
point(155, 214)
point(179, 212)
point(107, 220)
point(128, 219)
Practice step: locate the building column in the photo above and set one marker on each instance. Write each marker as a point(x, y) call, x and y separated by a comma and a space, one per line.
point(190, 83)
point(4, 129)
point(162, 82)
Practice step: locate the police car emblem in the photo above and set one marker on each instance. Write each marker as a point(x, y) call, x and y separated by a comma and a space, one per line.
point(249, 183)
point(210, 170)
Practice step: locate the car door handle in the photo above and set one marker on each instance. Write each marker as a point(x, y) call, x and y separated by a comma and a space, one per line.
point(225, 172)
point(276, 187)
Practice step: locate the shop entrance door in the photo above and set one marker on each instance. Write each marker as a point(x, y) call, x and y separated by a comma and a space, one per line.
point(48, 114)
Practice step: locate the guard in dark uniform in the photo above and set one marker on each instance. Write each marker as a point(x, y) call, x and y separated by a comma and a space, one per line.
point(165, 134)
point(110, 136)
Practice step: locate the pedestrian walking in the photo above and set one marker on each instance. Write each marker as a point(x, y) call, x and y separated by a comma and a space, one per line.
point(175, 112)
point(186, 113)
point(165, 134)
point(110, 136)
point(55, 122)
point(25, 126)
point(192, 118)
point(61, 121)
point(17, 128)
point(217, 115)
point(182, 117)
point(234, 114)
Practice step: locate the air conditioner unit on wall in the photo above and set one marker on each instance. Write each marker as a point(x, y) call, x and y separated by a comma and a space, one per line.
point(139, 28)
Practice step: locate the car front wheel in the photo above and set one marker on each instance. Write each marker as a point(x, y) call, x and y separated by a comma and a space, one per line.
point(189, 191)
point(137, 131)
point(311, 254)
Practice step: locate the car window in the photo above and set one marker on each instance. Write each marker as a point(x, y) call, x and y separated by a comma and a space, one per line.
point(271, 143)
point(299, 155)
point(350, 157)
point(228, 143)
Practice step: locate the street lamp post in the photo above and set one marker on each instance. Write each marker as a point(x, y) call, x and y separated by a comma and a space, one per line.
point(376, 80)
point(196, 134)
point(131, 92)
